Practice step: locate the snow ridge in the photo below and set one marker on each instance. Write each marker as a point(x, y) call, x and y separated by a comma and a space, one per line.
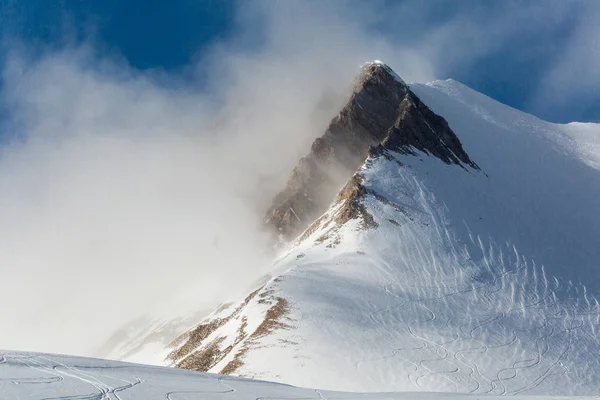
point(406, 307)
point(381, 111)
point(428, 272)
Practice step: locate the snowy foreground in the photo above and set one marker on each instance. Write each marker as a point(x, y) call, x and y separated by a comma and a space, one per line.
point(46, 376)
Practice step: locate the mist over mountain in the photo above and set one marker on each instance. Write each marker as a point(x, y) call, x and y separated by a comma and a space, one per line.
point(233, 188)
point(434, 266)
point(125, 148)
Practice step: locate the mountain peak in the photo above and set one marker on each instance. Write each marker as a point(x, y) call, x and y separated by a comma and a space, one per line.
point(423, 274)
point(381, 111)
point(377, 67)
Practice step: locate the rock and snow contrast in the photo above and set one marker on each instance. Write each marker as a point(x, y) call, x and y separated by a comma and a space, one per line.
point(433, 240)
point(438, 241)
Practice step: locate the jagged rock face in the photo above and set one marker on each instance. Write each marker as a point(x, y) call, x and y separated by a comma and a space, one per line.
point(335, 156)
point(417, 127)
point(381, 110)
point(415, 277)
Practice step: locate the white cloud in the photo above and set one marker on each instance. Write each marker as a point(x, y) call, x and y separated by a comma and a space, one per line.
point(571, 82)
point(121, 191)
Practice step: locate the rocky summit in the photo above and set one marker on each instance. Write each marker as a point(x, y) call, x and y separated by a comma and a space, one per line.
point(382, 111)
point(415, 261)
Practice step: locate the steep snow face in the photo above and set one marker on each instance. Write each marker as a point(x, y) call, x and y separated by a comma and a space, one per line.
point(586, 141)
point(48, 376)
point(543, 186)
point(427, 276)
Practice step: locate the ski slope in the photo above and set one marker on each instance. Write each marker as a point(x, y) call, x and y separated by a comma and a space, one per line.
point(452, 279)
point(45, 376)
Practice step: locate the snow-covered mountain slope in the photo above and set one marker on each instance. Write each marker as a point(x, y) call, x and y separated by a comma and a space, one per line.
point(432, 272)
point(543, 187)
point(47, 376)
point(145, 339)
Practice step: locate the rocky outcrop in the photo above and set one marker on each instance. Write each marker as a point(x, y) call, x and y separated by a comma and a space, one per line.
point(381, 111)
point(419, 128)
point(335, 156)
point(224, 337)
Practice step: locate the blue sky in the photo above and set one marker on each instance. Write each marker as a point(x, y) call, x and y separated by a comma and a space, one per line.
point(139, 134)
point(148, 34)
point(506, 49)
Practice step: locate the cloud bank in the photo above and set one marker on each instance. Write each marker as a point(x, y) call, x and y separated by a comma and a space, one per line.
point(121, 189)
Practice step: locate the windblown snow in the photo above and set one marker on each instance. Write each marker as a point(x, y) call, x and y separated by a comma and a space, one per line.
point(448, 279)
point(422, 276)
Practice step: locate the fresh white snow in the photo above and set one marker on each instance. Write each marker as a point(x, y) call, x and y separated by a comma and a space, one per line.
point(35, 376)
point(480, 282)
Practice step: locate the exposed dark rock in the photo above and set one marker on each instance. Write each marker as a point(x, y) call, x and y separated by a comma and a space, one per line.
point(186, 343)
point(381, 114)
point(205, 358)
point(195, 351)
point(417, 127)
point(194, 338)
point(352, 207)
point(334, 157)
point(274, 319)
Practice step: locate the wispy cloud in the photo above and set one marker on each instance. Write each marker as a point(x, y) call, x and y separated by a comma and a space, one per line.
point(117, 193)
point(572, 81)
point(120, 188)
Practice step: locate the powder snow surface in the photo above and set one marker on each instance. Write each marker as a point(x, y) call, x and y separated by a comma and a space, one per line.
point(482, 282)
point(479, 282)
point(46, 376)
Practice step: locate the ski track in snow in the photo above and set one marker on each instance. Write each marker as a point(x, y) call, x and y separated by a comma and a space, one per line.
point(59, 372)
point(58, 377)
point(471, 281)
point(174, 395)
point(466, 333)
point(471, 318)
